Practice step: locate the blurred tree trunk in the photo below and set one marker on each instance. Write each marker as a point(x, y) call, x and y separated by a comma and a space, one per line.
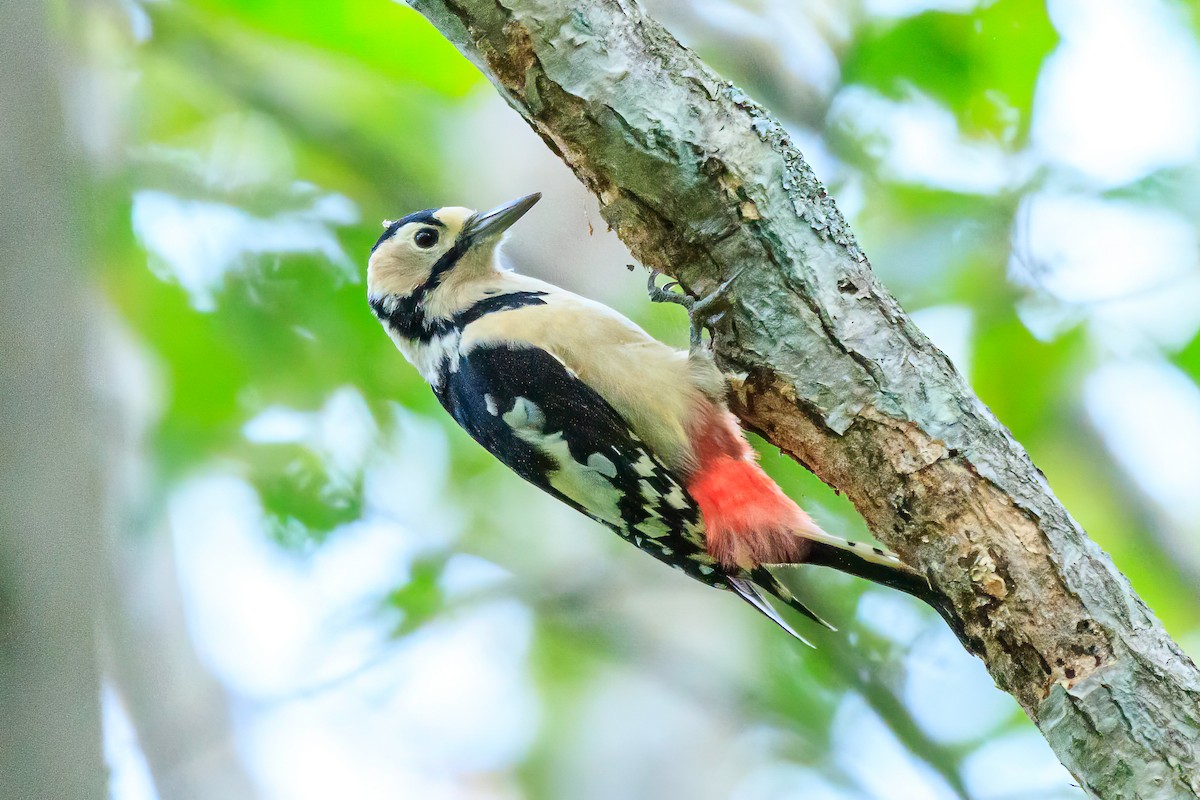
point(50, 514)
point(180, 711)
point(697, 180)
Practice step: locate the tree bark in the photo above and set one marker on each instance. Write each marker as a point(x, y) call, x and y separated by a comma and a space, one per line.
point(699, 181)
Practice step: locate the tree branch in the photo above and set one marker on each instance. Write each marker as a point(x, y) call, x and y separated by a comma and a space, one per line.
point(697, 179)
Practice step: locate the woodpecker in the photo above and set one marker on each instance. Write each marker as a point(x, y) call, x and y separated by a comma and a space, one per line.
point(578, 400)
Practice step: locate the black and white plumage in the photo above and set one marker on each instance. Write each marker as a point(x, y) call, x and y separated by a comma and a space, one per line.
point(531, 412)
point(581, 402)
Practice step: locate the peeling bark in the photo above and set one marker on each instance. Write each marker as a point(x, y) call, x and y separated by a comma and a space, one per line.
point(698, 180)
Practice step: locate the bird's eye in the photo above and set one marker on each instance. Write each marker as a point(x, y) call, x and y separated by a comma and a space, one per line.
point(426, 238)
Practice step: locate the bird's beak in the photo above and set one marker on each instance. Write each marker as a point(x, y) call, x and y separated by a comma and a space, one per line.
point(499, 219)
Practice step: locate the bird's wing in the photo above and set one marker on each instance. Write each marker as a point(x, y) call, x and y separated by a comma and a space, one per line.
point(536, 416)
point(647, 383)
point(532, 412)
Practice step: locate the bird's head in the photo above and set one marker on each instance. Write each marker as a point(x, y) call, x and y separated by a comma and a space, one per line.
point(419, 252)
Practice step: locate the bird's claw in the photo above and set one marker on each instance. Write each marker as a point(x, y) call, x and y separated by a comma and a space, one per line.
point(704, 312)
point(663, 294)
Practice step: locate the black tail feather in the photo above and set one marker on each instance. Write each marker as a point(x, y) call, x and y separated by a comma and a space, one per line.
point(746, 590)
point(904, 579)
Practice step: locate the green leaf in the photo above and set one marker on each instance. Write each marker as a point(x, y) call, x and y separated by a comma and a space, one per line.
point(302, 500)
point(420, 599)
point(1188, 359)
point(389, 38)
point(983, 65)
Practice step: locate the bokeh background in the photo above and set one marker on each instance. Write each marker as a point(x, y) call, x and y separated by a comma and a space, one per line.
point(314, 585)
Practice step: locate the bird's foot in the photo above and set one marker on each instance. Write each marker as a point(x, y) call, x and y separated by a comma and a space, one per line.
point(663, 294)
point(704, 312)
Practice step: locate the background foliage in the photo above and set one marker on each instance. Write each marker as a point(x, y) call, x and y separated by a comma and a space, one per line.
point(323, 588)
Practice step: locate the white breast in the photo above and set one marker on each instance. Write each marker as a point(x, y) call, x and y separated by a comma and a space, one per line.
point(429, 357)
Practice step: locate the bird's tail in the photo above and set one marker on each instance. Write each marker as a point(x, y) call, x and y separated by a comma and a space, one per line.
point(750, 525)
point(879, 566)
point(749, 591)
point(747, 517)
point(861, 560)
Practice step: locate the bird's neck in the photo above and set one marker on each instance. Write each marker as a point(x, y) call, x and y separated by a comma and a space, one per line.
point(430, 341)
point(427, 314)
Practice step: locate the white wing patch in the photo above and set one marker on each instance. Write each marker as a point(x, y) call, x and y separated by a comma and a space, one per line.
point(586, 484)
point(526, 416)
point(590, 484)
point(602, 464)
point(653, 527)
point(644, 466)
point(675, 498)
